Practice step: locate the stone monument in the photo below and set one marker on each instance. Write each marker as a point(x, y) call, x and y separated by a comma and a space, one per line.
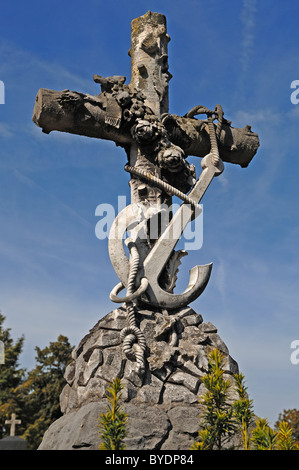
point(153, 340)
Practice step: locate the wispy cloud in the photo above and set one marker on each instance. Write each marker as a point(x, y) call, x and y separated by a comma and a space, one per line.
point(59, 203)
point(247, 17)
point(18, 62)
point(248, 23)
point(267, 115)
point(5, 130)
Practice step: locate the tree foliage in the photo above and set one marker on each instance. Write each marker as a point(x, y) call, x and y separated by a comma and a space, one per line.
point(243, 410)
point(266, 438)
point(291, 416)
point(43, 386)
point(218, 424)
point(11, 377)
point(112, 424)
point(224, 417)
point(263, 437)
point(33, 396)
point(284, 437)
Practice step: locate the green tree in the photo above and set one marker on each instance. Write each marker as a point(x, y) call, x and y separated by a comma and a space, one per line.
point(112, 424)
point(291, 416)
point(285, 439)
point(218, 423)
point(263, 436)
point(243, 410)
point(223, 417)
point(11, 377)
point(42, 388)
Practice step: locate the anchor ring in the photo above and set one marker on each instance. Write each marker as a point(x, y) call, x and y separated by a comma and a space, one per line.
point(141, 289)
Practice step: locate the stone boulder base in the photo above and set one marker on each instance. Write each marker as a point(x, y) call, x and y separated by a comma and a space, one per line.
point(162, 404)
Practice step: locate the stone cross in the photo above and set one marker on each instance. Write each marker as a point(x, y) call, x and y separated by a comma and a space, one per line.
point(136, 117)
point(13, 421)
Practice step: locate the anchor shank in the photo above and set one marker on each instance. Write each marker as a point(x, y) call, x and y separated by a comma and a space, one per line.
point(164, 246)
point(204, 180)
point(162, 250)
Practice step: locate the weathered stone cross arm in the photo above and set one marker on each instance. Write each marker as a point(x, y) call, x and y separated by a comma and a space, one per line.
point(113, 113)
point(87, 115)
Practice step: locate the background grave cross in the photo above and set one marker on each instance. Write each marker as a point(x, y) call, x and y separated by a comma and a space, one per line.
point(13, 421)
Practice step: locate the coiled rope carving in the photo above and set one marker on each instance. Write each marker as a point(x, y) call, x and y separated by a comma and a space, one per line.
point(155, 181)
point(214, 135)
point(134, 343)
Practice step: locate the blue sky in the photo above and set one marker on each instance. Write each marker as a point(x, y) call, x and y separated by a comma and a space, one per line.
point(55, 275)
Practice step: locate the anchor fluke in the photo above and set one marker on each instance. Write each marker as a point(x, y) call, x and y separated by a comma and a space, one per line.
point(198, 280)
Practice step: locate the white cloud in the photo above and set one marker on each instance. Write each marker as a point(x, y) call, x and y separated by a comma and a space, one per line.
point(19, 62)
point(59, 203)
point(248, 15)
point(6, 130)
point(294, 112)
point(264, 115)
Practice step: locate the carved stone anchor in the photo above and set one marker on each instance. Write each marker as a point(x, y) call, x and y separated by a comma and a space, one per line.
point(155, 261)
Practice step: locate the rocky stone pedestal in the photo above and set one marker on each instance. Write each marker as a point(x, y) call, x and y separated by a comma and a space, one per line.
point(162, 404)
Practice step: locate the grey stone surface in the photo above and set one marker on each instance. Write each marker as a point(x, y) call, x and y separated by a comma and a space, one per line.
point(13, 443)
point(162, 403)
